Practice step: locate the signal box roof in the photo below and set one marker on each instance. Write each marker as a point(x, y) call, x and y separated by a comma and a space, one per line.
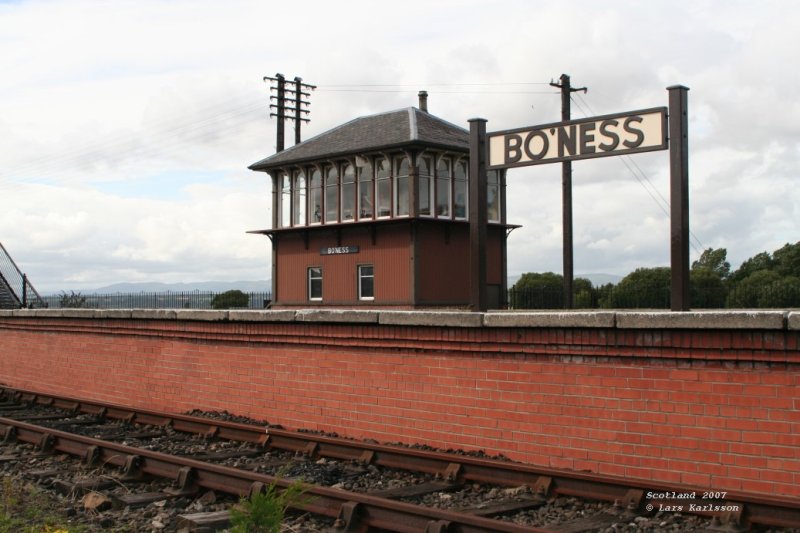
point(410, 127)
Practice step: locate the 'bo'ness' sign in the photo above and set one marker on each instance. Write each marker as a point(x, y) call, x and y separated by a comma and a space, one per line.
point(618, 134)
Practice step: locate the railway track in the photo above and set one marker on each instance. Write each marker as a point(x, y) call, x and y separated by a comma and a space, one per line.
point(128, 439)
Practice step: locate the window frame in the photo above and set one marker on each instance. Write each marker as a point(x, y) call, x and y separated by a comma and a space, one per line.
point(496, 185)
point(310, 279)
point(284, 186)
point(311, 213)
point(430, 176)
point(299, 198)
point(365, 212)
point(458, 162)
point(445, 185)
point(360, 277)
point(332, 169)
point(397, 163)
point(386, 181)
point(347, 171)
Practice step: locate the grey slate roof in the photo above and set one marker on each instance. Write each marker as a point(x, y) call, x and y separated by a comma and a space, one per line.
point(392, 129)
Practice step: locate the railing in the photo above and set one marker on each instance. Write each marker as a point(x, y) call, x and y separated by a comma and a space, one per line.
point(771, 295)
point(15, 285)
point(152, 300)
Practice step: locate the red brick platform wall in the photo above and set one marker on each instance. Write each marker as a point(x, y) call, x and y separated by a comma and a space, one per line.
point(714, 407)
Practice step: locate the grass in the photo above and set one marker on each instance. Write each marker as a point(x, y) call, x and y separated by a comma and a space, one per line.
point(25, 509)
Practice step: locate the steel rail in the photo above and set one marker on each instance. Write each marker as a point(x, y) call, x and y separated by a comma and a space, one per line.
point(765, 510)
point(355, 511)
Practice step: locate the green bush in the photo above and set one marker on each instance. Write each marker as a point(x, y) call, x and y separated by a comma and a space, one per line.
point(230, 299)
point(72, 300)
point(264, 511)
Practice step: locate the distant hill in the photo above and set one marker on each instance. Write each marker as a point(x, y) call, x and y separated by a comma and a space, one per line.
point(205, 286)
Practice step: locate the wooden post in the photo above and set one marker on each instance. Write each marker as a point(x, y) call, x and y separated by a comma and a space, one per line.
point(679, 197)
point(477, 214)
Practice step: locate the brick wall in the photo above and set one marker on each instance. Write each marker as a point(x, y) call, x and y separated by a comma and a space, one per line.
point(710, 400)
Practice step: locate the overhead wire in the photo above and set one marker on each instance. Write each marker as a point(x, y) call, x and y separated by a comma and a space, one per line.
point(642, 178)
point(164, 135)
point(409, 87)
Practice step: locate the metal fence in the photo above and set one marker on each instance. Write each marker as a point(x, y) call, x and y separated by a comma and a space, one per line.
point(773, 295)
point(152, 300)
point(595, 298)
point(15, 289)
point(604, 297)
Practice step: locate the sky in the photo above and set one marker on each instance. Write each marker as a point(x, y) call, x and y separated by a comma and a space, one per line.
point(126, 127)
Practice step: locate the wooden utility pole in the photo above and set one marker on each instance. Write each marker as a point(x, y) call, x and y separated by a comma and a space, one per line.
point(566, 193)
point(290, 107)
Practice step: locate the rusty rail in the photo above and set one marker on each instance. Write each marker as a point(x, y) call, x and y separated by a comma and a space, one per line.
point(356, 512)
point(753, 508)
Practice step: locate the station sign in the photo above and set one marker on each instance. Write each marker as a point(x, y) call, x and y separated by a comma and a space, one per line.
point(338, 250)
point(617, 134)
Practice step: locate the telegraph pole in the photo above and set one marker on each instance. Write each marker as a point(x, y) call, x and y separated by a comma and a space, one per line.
point(566, 192)
point(288, 107)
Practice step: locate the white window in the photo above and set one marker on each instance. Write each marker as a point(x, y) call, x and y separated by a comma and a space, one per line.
point(366, 194)
point(315, 197)
point(332, 195)
point(384, 179)
point(285, 204)
point(401, 171)
point(493, 195)
point(315, 283)
point(443, 184)
point(348, 193)
point(425, 166)
point(366, 282)
point(299, 194)
point(460, 195)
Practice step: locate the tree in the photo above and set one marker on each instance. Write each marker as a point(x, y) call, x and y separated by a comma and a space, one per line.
point(230, 299)
point(536, 290)
point(749, 293)
point(72, 300)
point(786, 260)
point(643, 288)
point(545, 290)
point(584, 295)
point(761, 261)
point(707, 289)
point(707, 279)
point(714, 260)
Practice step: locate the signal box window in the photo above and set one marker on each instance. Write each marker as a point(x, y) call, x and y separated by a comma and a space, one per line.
point(493, 196)
point(332, 195)
point(315, 283)
point(383, 173)
point(366, 282)
point(425, 165)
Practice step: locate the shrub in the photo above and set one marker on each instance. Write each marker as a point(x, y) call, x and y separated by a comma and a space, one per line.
point(264, 511)
point(72, 300)
point(229, 299)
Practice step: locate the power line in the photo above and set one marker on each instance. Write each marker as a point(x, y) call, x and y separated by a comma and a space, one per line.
point(323, 89)
point(631, 164)
point(417, 85)
point(130, 144)
point(411, 87)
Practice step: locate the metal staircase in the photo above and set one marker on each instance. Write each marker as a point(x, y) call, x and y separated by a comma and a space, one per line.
point(15, 290)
